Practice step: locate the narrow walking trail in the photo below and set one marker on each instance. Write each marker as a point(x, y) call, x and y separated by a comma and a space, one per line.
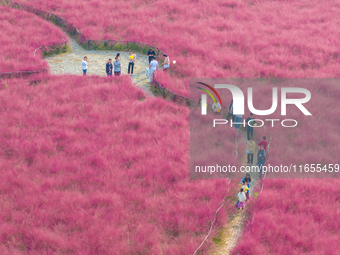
point(70, 63)
point(232, 231)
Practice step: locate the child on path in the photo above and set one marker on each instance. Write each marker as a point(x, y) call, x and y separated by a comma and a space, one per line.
point(109, 68)
point(132, 61)
point(245, 187)
point(84, 65)
point(241, 199)
point(117, 68)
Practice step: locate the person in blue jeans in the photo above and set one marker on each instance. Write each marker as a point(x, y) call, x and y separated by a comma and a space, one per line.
point(109, 68)
point(84, 65)
point(261, 158)
point(250, 130)
point(238, 119)
point(246, 179)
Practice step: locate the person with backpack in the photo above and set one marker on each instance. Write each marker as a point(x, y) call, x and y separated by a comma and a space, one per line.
point(109, 68)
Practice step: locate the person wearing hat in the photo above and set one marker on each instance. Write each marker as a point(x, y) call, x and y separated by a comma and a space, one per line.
point(251, 145)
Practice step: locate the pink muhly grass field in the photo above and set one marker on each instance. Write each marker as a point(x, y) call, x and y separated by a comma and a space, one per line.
point(88, 166)
point(221, 38)
point(21, 33)
point(293, 216)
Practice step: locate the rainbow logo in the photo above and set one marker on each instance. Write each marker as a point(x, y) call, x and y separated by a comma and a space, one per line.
point(218, 96)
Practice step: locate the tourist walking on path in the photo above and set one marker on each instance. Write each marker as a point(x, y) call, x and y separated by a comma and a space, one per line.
point(117, 67)
point(216, 107)
point(245, 188)
point(109, 68)
point(230, 111)
point(261, 158)
point(166, 62)
point(237, 122)
point(131, 62)
point(251, 145)
point(264, 143)
point(84, 65)
point(241, 199)
point(250, 123)
point(151, 54)
point(246, 179)
point(153, 67)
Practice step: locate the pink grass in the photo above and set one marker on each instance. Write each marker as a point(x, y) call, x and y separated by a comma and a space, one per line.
point(221, 39)
point(21, 34)
point(89, 167)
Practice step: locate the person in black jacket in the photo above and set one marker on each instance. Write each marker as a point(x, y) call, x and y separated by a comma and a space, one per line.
point(250, 130)
point(151, 54)
point(109, 68)
point(230, 111)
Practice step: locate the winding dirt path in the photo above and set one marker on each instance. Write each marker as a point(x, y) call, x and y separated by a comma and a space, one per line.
point(232, 231)
point(70, 63)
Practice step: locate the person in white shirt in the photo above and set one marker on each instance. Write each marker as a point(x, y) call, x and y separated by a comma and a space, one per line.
point(241, 199)
point(166, 62)
point(153, 67)
point(216, 106)
point(84, 65)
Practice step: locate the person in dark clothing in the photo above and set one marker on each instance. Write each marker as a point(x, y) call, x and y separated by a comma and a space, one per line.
point(250, 122)
point(261, 158)
point(151, 54)
point(230, 111)
point(109, 68)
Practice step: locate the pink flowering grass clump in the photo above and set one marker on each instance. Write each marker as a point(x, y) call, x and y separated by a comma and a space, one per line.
point(89, 166)
point(293, 216)
point(21, 34)
point(221, 38)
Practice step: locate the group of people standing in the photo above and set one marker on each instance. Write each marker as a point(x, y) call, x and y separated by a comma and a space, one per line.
point(114, 68)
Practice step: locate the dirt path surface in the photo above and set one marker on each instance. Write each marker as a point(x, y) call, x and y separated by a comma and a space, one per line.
point(232, 231)
point(70, 63)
